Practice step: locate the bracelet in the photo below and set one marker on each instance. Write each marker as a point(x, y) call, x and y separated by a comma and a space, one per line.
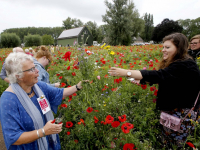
point(43, 132)
point(38, 134)
point(77, 88)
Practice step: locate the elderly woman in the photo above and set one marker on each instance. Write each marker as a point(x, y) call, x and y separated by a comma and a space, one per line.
point(178, 78)
point(26, 120)
point(43, 58)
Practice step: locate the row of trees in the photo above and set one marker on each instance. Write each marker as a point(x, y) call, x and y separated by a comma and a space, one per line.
point(13, 40)
point(122, 23)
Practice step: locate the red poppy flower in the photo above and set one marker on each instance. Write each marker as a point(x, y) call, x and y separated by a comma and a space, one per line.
point(109, 119)
point(57, 74)
point(103, 122)
point(122, 118)
point(74, 94)
point(60, 77)
point(68, 67)
point(114, 89)
point(64, 105)
point(152, 88)
point(67, 56)
point(125, 128)
point(129, 125)
point(89, 109)
point(96, 120)
point(144, 86)
point(62, 85)
point(69, 124)
point(155, 93)
point(190, 144)
point(70, 98)
point(129, 146)
point(68, 133)
point(73, 73)
point(96, 110)
point(115, 124)
point(76, 141)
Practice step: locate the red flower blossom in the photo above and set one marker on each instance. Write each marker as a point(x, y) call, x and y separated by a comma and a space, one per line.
point(67, 56)
point(144, 86)
point(62, 85)
point(109, 119)
point(115, 124)
point(70, 98)
point(68, 67)
point(103, 122)
point(190, 144)
point(64, 105)
point(57, 74)
point(96, 110)
point(74, 94)
point(114, 89)
point(129, 125)
point(76, 141)
point(69, 124)
point(96, 120)
point(122, 118)
point(60, 77)
point(125, 128)
point(129, 146)
point(155, 93)
point(152, 88)
point(68, 133)
point(73, 73)
point(89, 109)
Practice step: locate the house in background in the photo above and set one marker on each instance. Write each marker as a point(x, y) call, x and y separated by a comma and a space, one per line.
point(138, 40)
point(80, 35)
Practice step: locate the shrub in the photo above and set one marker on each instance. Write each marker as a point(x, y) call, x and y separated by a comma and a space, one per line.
point(32, 40)
point(9, 40)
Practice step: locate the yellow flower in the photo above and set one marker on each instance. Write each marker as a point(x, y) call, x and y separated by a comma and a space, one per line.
point(112, 53)
point(197, 122)
point(107, 47)
point(103, 45)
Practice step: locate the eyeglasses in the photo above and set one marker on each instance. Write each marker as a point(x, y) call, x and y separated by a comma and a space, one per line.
point(195, 43)
point(49, 60)
point(32, 69)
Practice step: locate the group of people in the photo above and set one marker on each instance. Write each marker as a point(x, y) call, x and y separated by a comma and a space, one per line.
point(26, 125)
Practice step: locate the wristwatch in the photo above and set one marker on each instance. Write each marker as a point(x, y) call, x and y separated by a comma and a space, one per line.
point(77, 88)
point(128, 74)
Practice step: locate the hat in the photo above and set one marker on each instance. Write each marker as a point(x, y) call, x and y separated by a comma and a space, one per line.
point(30, 48)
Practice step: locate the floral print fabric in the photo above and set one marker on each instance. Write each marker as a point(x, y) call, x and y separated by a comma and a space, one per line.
point(170, 137)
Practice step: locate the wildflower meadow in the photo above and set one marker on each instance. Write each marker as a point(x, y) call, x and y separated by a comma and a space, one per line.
point(108, 112)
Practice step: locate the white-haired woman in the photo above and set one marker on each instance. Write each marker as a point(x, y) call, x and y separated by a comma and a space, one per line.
point(26, 121)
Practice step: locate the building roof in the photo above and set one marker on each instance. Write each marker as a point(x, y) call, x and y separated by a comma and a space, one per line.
point(70, 33)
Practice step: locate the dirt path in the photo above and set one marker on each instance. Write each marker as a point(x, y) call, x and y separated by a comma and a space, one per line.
point(2, 144)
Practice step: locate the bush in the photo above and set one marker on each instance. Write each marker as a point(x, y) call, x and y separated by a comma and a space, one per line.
point(47, 40)
point(32, 40)
point(10, 40)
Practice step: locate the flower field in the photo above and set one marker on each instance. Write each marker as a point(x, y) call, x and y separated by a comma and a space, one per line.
point(109, 112)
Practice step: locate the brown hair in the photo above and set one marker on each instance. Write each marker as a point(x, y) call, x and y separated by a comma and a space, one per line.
point(43, 51)
point(181, 43)
point(194, 37)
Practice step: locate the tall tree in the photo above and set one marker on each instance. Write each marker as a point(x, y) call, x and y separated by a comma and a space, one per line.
point(70, 23)
point(190, 27)
point(166, 27)
point(123, 22)
point(92, 26)
point(148, 28)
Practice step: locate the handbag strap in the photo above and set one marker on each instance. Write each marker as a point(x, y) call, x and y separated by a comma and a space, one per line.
point(191, 108)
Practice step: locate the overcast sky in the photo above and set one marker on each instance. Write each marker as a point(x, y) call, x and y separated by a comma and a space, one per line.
point(51, 13)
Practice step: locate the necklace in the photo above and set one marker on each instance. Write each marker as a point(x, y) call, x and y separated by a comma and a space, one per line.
point(30, 92)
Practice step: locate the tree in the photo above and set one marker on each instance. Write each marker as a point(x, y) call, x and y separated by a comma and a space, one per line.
point(123, 22)
point(148, 28)
point(47, 40)
point(190, 27)
point(70, 23)
point(92, 27)
point(166, 27)
point(33, 40)
point(10, 40)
